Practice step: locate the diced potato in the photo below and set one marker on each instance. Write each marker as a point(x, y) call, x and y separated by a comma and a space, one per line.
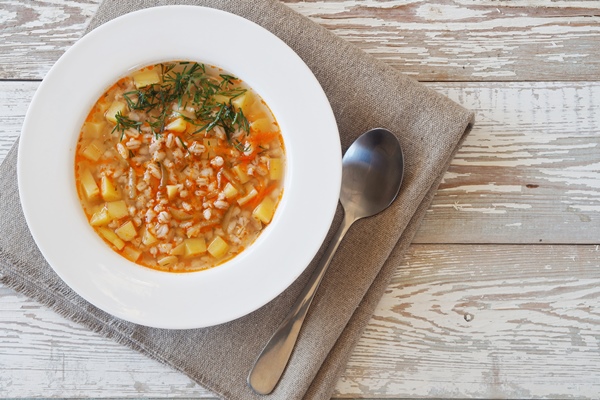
point(194, 247)
point(102, 106)
point(240, 171)
point(178, 250)
point(131, 253)
point(220, 98)
point(249, 196)
point(148, 238)
point(117, 209)
point(258, 110)
point(172, 191)
point(126, 231)
point(276, 169)
point(218, 247)
point(100, 217)
point(108, 190)
point(265, 210)
point(88, 183)
point(92, 130)
point(111, 237)
point(233, 179)
point(115, 108)
point(146, 78)
point(263, 125)
point(94, 208)
point(245, 102)
point(93, 151)
point(167, 261)
point(177, 125)
point(230, 191)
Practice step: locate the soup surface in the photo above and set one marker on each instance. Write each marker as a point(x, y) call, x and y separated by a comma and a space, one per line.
point(179, 166)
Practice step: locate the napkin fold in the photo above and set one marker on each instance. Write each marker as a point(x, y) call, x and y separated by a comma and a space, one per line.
point(364, 93)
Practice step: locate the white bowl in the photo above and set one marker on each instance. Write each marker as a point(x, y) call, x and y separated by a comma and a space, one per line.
point(46, 167)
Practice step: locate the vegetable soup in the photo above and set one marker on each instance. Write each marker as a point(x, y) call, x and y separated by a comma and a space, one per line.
point(179, 166)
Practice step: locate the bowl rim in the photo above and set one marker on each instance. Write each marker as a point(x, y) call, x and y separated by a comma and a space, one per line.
point(139, 294)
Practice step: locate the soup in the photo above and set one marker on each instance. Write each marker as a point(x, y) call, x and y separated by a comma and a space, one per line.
point(179, 166)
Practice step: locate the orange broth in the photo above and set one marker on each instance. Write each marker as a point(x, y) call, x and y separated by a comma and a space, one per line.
point(179, 166)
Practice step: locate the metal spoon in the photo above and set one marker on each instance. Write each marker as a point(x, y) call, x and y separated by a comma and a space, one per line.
point(372, 170)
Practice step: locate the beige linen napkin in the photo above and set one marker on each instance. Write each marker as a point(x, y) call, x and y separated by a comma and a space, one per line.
point(364, 94)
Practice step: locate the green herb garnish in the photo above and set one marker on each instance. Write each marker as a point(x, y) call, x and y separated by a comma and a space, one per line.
point(190, 86)
point(123, 123)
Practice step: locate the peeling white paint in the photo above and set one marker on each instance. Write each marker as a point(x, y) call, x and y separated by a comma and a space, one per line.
point(6, 16)
point(513, 205)
point(448, 12)
point(448, 176)
point(470, 208)
point(46, 16)
point(495, 74)
point(586, 208)
point(589, 193)
point(570, 177)
point(491, 187)
point(563, 56)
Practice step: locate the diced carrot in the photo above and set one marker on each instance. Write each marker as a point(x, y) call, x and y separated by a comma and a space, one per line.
point(262, 193)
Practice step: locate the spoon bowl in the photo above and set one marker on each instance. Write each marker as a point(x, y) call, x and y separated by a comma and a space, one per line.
point(372, 171)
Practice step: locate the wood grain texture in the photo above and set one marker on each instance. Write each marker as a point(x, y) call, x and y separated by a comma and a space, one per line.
point(14, 101)
point(457, 321)
point(529, 172)
point(35, 33)
point(441, 40)
point(46, 355)
point(499, 296)
point(458, 40)
point(478, 321)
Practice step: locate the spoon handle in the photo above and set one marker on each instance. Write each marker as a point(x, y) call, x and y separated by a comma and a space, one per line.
point(271, 362)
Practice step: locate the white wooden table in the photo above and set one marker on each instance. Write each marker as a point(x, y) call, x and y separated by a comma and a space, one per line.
point(499, 297)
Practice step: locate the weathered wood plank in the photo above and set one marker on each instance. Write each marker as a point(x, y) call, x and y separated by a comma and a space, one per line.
point(442, 40)
point(484, 322)
point(450, 40)
point(35, 33)
point(528, 172)
point(14, 101)
point(45, 354)
point(510, 321)
point(457, 321)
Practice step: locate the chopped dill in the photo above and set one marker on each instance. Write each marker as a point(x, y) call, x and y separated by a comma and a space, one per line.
point(140, 100)
point(228, 79)
point(239, 146)
point(189, 86)
point(123, 123)
point(183, 144)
